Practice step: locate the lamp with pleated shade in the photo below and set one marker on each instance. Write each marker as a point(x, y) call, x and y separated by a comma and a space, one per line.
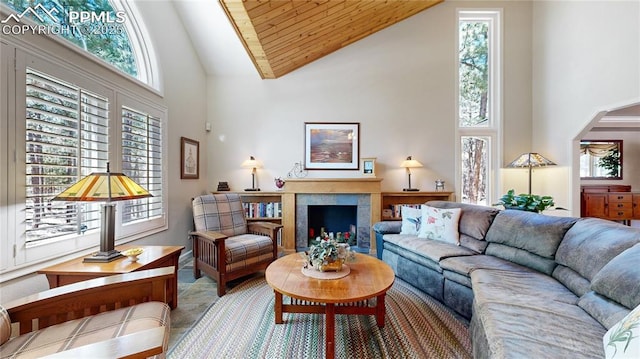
point(105, 187)
point(530, 160)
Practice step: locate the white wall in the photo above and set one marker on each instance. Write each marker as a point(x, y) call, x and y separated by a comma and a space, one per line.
point(184, 84)
point(586, 57)
point(185, 91)
point(398, 83)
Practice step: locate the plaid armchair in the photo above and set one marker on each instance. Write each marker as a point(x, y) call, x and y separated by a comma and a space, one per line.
point(225, 247)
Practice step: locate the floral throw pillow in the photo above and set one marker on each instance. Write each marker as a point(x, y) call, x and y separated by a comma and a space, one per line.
point(440, 224)
point(411, 220)
point(622, 341)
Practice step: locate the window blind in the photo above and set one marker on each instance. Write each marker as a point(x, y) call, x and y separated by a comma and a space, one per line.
point(142, 161)
point(66, 139)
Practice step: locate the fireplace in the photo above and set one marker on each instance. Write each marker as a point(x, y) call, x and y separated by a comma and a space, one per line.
point(334, 219)
point(336, 213)
point(301, 192)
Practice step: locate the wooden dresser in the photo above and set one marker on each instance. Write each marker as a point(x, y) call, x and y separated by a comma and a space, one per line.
point(613, 202)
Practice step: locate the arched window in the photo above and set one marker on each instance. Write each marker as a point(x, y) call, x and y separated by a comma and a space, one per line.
point(108, 29)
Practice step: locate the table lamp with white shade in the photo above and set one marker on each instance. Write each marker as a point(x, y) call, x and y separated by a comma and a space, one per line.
point(408, 164)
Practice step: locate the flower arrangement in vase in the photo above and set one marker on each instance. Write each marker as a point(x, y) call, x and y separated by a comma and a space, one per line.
point(327, 254)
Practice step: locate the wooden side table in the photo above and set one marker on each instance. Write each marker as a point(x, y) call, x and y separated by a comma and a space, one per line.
point(76, 270)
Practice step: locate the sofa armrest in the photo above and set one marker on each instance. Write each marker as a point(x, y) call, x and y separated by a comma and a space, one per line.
point(388, 227)
point(382, 228)
point(89, 297)
point(142, 344)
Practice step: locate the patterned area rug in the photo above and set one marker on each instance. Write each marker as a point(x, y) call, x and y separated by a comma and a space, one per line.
point(241, 325)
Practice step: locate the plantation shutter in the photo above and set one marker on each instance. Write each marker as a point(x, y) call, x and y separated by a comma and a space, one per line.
point(66, 139)
point(142, 162)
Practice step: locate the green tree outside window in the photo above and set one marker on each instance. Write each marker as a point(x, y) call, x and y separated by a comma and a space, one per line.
point(108, 41)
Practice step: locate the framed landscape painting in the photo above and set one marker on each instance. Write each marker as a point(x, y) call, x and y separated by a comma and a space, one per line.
point(331, 146)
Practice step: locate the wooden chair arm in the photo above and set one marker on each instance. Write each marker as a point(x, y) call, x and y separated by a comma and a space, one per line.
point(264, 228)
point(210, 235)
point(89, 297)
point(142, 344)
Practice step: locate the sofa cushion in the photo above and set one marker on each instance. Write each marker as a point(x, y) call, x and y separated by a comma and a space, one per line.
point(591, 243)
point(92, 329)
point(457, 277)
point(520, 256)
point(620, 278)
point(526, 314)
point(521, 331)
point(623, 339)
point(424, 251)
point(475, 220)
point(463, 266)
point(246, 249)
point(527, 238)
point(440, 224)
point(476, 245)
point(522, 286)
point(5, 325)
point(411, 220)
point(604, 310)
point(572, 280)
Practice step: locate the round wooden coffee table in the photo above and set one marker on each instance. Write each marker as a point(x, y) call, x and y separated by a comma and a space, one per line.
point(369, 278)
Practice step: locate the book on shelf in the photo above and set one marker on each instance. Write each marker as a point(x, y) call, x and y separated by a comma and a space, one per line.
point(263, 209)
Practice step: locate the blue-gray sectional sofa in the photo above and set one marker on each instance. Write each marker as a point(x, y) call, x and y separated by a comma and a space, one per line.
point(532, 285)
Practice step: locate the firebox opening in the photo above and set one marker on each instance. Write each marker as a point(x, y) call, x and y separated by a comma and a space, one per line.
point(333, 218)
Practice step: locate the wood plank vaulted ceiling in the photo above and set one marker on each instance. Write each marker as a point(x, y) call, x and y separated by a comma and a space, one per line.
point(283, 35)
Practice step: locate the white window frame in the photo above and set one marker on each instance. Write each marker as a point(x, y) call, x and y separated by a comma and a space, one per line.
point(155, 224)
point(142, 50)
point(6, 106)
point(494, 128)
point(16, 258)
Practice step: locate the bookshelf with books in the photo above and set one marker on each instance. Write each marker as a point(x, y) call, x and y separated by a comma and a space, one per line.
point(261, 206)
point(392, 202)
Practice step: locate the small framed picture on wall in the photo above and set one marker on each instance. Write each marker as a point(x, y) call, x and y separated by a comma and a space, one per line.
point(369, 167)
point(189, 158)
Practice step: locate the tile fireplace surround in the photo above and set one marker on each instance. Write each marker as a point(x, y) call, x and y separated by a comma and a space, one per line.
point(300, 193)
point(363, 215)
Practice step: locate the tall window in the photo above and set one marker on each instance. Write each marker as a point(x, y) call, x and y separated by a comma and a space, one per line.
point(478, 100)
point(66, 139)
point(142, 161)
point(60, 121)
point(63, 116)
